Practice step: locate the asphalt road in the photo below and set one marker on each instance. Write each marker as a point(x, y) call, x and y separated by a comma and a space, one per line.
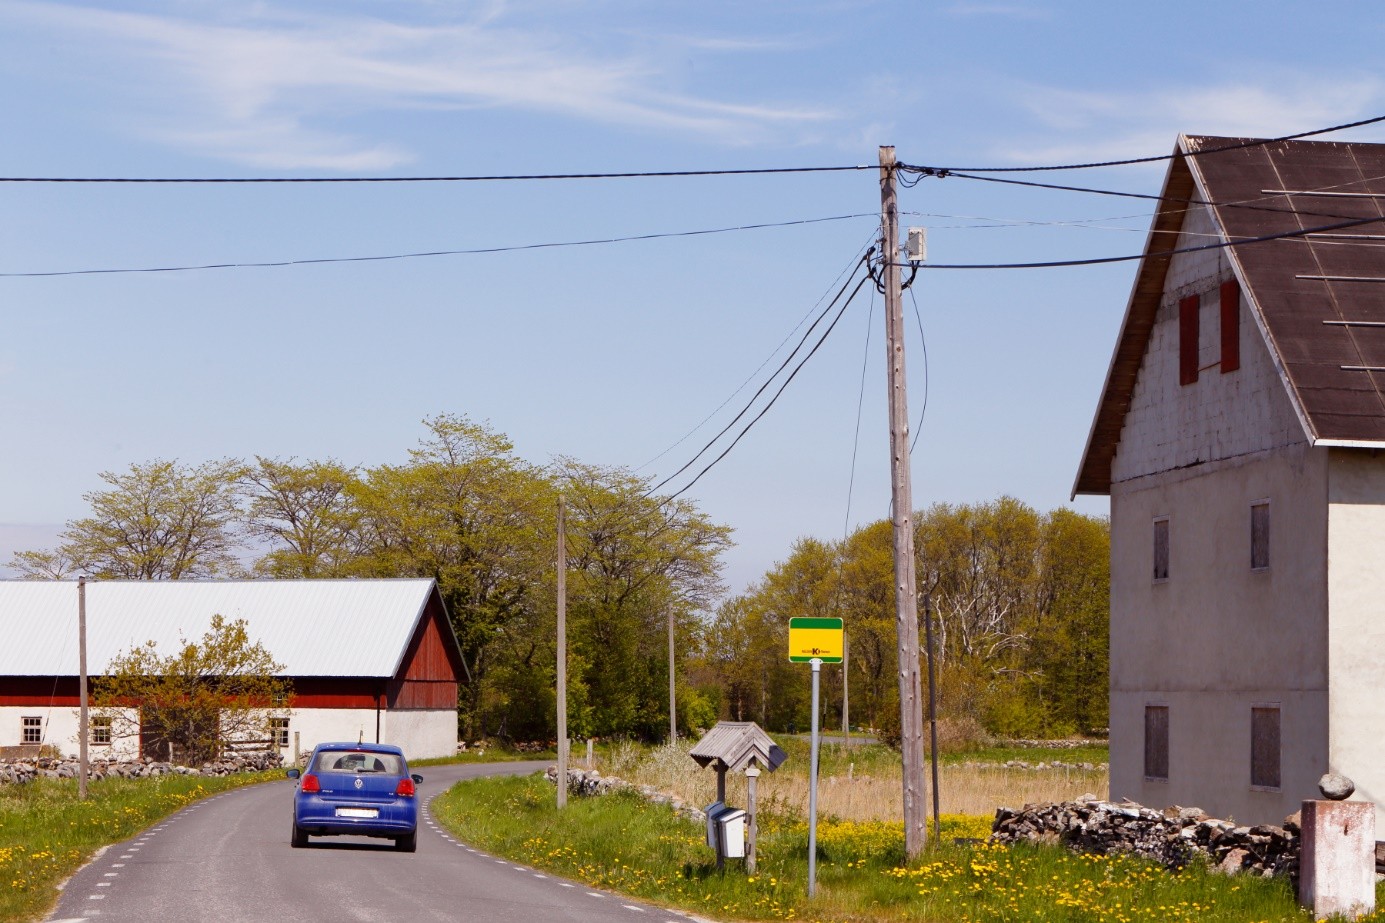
point(227, 858)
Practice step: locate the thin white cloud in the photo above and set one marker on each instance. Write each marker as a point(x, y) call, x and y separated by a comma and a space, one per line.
point(1098, 126)
point(265, 91)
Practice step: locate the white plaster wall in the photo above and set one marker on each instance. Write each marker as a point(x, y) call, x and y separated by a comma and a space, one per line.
point(322, 725)
point(1356, 633)
point(1217, 637)
point(420, 733)
point(1221, 415)
point(60, 726)
point(423, 733)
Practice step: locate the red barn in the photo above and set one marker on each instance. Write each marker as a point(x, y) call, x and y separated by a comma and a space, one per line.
point(368, 659)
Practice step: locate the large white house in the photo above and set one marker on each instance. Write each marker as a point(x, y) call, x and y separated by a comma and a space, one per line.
point(373, 660)
point(1239, 437)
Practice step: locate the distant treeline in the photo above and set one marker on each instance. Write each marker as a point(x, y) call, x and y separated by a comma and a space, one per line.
point(1021, 598)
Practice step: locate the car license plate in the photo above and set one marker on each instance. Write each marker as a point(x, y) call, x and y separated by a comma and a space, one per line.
point(358, 812)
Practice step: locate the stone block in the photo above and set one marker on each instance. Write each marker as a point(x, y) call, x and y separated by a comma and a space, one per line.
point(1337, 859)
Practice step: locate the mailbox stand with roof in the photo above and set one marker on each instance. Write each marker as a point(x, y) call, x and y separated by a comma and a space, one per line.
point(739, 746)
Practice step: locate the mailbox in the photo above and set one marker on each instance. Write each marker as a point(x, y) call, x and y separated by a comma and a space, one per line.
point(731, 831)
point(712, 810)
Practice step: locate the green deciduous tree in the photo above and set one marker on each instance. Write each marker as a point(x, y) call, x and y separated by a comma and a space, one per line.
point(466, 511)
point(158, 521)
point(304, 514)
point(635, 561)
point(189, 704)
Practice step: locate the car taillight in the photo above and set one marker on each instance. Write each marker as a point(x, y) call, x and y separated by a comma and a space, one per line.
point(405, 788)
point(310, 784)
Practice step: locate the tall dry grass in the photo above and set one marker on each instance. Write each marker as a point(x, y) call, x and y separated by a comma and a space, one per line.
point(857, 795)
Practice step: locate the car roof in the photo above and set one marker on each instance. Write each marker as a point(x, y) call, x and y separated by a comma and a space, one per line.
point(363, 747)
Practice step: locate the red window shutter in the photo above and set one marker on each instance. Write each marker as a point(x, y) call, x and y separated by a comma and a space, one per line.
point(1230, 326)
point(1187, 339)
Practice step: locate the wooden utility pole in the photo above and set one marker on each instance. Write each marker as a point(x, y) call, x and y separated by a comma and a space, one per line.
point(562, 654)
point(901, 496)
point(846, 690)
point(672, 698)
point(83, 722)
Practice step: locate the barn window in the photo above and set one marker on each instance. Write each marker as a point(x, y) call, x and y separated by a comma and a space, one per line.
point(31, 730)
point(279, 732)
point(101, 731)
point(1260, 535)
point(1188, 309)
point(1264, 747)
point(1157, 743)
point(1230, 326)
point(1161, 548)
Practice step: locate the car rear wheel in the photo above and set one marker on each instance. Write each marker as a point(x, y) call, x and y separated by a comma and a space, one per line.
point(299, 838)
point(407, 843)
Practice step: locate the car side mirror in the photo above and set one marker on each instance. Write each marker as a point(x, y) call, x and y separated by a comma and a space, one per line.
point(416, 777)
point(292, 773)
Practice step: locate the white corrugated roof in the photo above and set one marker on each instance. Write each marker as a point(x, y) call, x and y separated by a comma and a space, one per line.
point(312, 627)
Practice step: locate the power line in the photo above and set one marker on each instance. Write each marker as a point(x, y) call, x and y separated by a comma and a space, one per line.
point(929, 171)
point(768, 381)
point(1247, 204)
point(431, 253)
point(491, 178)
point(856, 438)
point(1161, 253)
point(751, 377)
point(749, 426)
point(923, 342)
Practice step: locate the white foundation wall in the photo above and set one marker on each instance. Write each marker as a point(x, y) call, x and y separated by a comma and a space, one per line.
point(60, 724)
point(1219, 416)
point(1217, 638)
point(421, 733)
point(1356, 635)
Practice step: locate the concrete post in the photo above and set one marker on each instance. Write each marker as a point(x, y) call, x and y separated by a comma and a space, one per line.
point(1337, 862)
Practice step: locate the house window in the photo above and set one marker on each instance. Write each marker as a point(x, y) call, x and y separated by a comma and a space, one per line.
point(1264, 747)
point(1188, 310)
point(101, 731)
point(1260, 535)
point(1161, 548)
point(1230, 326)
point(1157, 743)
point(279, 732)
point(31, 730)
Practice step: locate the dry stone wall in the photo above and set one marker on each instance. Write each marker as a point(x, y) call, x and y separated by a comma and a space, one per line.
point(17, 772)
point(1173, 837)
point(589, 782)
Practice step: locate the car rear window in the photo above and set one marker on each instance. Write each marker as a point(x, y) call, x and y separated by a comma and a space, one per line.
point(357, 761)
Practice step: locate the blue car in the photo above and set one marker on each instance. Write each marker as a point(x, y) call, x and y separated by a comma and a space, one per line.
point(356, 790)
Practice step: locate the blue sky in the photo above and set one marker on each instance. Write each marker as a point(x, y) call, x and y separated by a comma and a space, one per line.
point(609, 353)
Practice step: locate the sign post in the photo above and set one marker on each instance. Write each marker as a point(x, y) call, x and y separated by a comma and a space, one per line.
point(814, 641)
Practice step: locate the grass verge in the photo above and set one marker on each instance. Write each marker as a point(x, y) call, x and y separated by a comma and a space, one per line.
point(46, 834)
point(496, 754)
point(622, 843)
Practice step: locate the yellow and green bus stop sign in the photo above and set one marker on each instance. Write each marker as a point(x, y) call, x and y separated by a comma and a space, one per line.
point(815, 639)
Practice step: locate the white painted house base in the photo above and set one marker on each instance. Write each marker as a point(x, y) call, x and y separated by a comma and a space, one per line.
point(425, 733)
